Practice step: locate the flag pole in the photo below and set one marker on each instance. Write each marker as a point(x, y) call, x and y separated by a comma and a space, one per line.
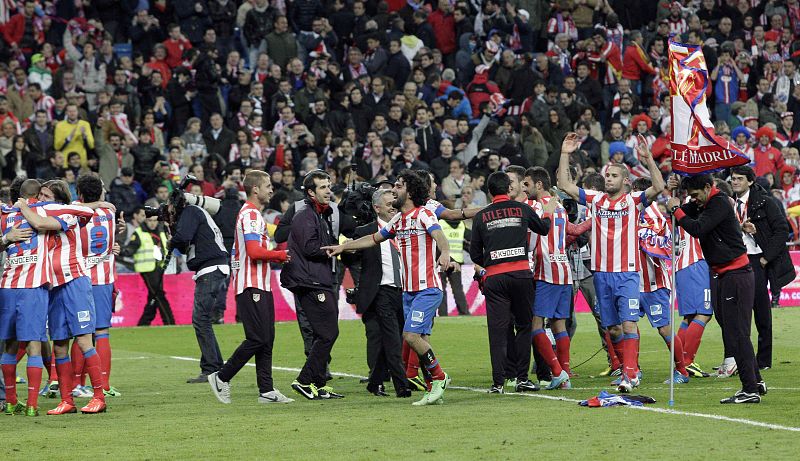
point(671, 311)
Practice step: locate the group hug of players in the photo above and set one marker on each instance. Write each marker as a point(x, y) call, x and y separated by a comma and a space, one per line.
point(57, 281)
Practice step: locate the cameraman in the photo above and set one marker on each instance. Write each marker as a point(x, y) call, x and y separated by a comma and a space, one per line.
point(198, 237)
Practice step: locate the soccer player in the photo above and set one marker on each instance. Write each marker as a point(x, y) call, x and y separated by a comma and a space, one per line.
point(655, 285)
point(418, 234)
point(553, 278)
point(615, 250)
point(23, 310)
point(250, 261)
point(98, 235)
point(71, 312)
point(692, 293)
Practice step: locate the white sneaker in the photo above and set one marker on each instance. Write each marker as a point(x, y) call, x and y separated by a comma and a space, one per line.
point(52, 390)
point(82, 392)
point(728, 368)
point(221, 389)
point(274, 396)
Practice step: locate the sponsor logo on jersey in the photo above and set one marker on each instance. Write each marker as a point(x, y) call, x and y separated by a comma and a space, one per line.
point(507, 253)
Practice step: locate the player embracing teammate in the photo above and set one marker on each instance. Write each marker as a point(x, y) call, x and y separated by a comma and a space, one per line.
point(615, 250)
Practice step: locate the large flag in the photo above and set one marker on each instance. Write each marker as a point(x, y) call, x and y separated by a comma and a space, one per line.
point(696, 149)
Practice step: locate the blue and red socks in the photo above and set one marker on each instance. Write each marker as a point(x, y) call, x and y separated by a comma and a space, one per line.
point(630, 354)
point(678, 354)
point(545, 348)
point(562, 350)
point(694, 334)
point(8, 363)
point(92, 364)
point(103, 347)
point(64, 368)
point(432, 365)
point(78, 372)
point(35, 370)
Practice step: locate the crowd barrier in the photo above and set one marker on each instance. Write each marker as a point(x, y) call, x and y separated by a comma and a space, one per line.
point(180, 293)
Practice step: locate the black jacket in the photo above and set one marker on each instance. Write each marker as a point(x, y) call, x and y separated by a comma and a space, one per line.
point(499, 235)
point(227, 215)
point(198, 237)
point(371, 270)
point(772, 232)
point(717, 228)
point(221, 145)
point(310, 266)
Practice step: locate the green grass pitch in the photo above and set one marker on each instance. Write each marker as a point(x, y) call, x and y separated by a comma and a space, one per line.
point(160, 417)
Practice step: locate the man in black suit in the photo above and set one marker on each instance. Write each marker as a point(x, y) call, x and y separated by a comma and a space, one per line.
point(379, 301)
point(218, 139)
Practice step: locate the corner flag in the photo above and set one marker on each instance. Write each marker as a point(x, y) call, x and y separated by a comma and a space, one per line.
point(696, 149)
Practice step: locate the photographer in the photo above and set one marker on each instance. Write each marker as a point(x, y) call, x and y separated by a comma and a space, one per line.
point(148, 246)
point(198, 237)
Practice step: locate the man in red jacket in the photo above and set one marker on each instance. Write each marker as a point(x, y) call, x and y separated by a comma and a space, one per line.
point(176, 44)
point(444, 29)
point(14, 30)
point(635, 62)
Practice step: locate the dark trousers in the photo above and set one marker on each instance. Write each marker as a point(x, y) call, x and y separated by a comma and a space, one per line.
point(257, 312)
point(732, 299)
point(762, 313)
point(458, 293)
point(322, 312)
point(221, 304)
point(509, 302)
point(156, 299)
point(207, 289)
point(384, 327)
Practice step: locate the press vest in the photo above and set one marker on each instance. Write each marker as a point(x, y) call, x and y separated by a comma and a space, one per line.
point(145, 258)
point(455, 238)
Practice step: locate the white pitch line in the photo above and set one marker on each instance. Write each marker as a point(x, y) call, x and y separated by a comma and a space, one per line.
point(747, 422)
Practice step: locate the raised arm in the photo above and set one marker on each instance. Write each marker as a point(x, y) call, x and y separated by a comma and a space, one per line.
point(657, 179)
point(571, 144)
point(358, 244)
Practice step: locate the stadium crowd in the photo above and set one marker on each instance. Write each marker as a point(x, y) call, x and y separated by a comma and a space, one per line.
point(143, 93)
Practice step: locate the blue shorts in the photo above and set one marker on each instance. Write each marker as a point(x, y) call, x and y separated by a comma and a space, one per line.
point(552, 301)
point(23, 314)
point(617, 297)
point(103, 305)
point(71, 310)
point(656, 306)
point(693, 293)
point(419, 309)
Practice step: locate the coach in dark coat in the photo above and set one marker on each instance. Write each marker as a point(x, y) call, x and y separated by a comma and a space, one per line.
point(380, 303)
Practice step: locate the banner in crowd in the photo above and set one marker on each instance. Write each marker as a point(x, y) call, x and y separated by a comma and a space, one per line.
point(180, 293)
point(696, 149)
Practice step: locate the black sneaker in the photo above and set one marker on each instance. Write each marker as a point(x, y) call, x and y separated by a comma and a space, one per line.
point(201, 378)
point(308, 391)
point(527, 386)
point(742, 397)
point(326, 392)
point(762, 388)
point(378, 390)
point(496, 389)
point(403, 393)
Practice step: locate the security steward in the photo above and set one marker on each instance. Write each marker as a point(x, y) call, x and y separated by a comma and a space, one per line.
point(148, 246)
point(500, 245)
point(379, 301)
point(456, 233)
point(710, 217)
point(311, 276)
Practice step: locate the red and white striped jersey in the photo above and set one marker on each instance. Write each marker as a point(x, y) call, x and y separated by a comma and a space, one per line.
point(677, 27)
point(98, 237)
point(435, 207)
point(248, 272)
point(615, 242)
point(27, 264)
point(549, 251)
point(412, 232)
point(655, 272)
point(688, 248)
point(66, 246)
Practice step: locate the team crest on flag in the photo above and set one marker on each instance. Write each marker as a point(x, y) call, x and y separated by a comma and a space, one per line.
point(654, 235)
point(696, 149)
